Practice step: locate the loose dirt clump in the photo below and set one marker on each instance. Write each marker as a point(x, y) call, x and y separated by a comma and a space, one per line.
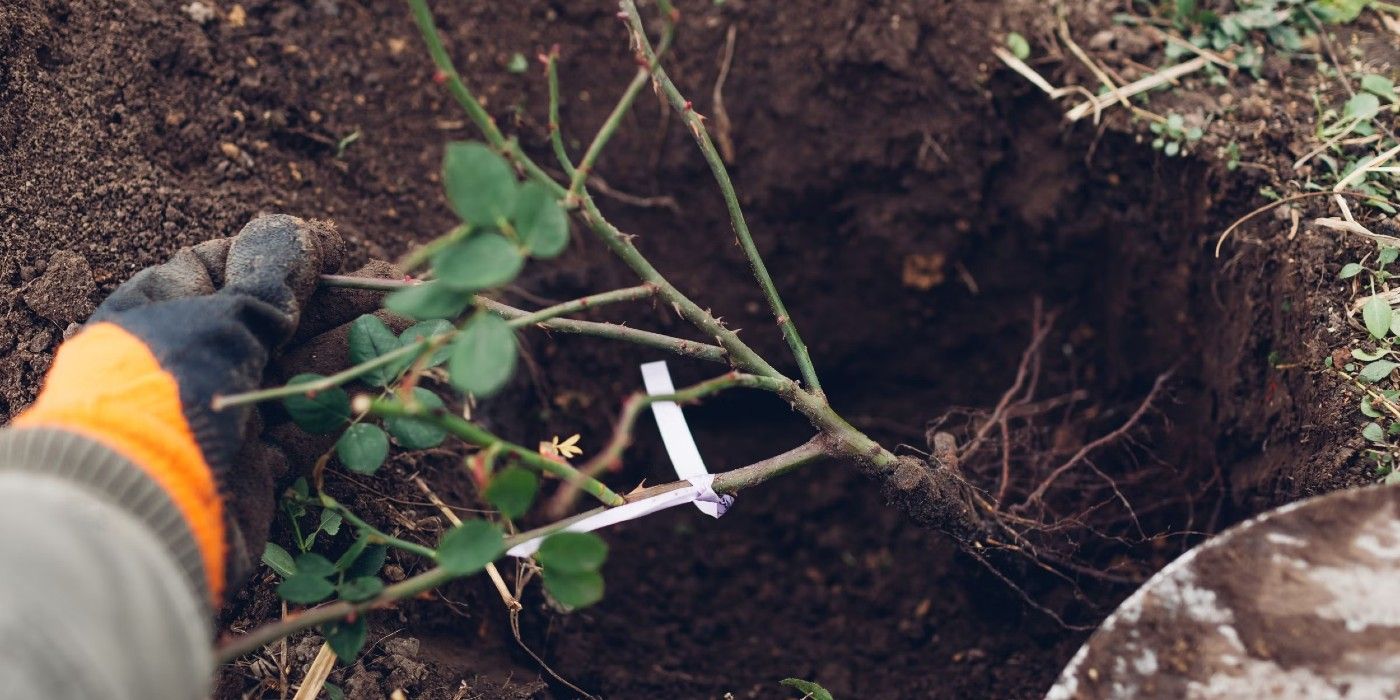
point(920, 207)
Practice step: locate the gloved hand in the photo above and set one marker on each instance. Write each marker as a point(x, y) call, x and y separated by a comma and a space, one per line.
point(127, 407)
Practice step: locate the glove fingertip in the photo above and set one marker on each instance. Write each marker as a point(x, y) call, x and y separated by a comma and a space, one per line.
point(329, 244)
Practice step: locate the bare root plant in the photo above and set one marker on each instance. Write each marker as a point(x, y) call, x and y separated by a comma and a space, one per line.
point(415, 390)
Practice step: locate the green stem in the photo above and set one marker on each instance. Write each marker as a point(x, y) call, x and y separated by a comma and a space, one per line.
point(614, 331)
point(728, 482)
point(556, 131)
point(641, 291)
point(375, 284)
point(420, 256)
point(375, 533)
point(742, 356)
point(476, 435)
point(546, 319)
point(221, 402)
point(459, 91)
point(604, 134)
point(731, 200)
point(609, 127)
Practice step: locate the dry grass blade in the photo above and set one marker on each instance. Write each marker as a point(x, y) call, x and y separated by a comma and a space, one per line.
point(1137, 87)
point(317, 674)
point(511, 602)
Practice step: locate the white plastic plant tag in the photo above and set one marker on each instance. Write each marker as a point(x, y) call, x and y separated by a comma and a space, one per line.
point(680, 444)
point(623, 513)
point(685, 457)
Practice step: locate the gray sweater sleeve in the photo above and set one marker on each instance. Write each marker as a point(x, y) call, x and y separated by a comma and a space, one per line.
point(99, 597)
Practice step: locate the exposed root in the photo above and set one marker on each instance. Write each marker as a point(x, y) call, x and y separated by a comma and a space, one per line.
point(1052, 481)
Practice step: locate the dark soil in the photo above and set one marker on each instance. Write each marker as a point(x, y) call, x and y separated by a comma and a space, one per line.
point(912, 200)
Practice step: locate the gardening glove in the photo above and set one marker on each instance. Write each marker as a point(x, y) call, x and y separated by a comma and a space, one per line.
point(127, 504)
point(133, 390)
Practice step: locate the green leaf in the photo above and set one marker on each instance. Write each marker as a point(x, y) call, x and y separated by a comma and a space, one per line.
point(370, 338)
point(330, 522)
point(518, 64)
point(305, 589)
point(576, 590)
point(1350, 270)
point(424, 330)
point(1377, 314)
point(1362, 107)
point(512, 491)
point(1367, 409)
point(346, 638)
point(1395, 324)
point(1387, 256)
point(356, 549)
point(369, 562)
point(480, 183)
point(279, 560)
point(573, 552)
point(483, 356)
point(362, 448)
point(313, 564)
point(413, 434)
point(469, 547)
point(428, 300)
point(333, 692)
point(1020, 48)
point(816, 692)
point(1373, 432)
point(540, 221)
point(1338, 11)
point(322, 411)
point(1364, 356)
point(1378, 370)
point(362, 588)
point(1379, 85)
point(482, 261)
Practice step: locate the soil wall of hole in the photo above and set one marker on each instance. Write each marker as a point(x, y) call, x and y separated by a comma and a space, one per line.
point(911, 202)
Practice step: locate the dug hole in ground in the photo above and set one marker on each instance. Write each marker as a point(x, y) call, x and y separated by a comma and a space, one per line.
point(936, 228)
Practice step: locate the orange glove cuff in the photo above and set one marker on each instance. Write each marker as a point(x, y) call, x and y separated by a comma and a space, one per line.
point(106, 385)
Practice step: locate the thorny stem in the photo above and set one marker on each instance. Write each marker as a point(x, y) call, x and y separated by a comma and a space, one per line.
point(725, 483)
point(545, 319)
point(620, 110)
point(459, 90)
point(731, 200)
point(610, 456)
point(517, 318)
point(476, 435)
point(641, 291)
point(846, 440)
point(614, 331)
point(376, 535)
point(744, 357)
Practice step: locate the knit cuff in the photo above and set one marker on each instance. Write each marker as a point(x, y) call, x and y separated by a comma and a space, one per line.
point(110, 476)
